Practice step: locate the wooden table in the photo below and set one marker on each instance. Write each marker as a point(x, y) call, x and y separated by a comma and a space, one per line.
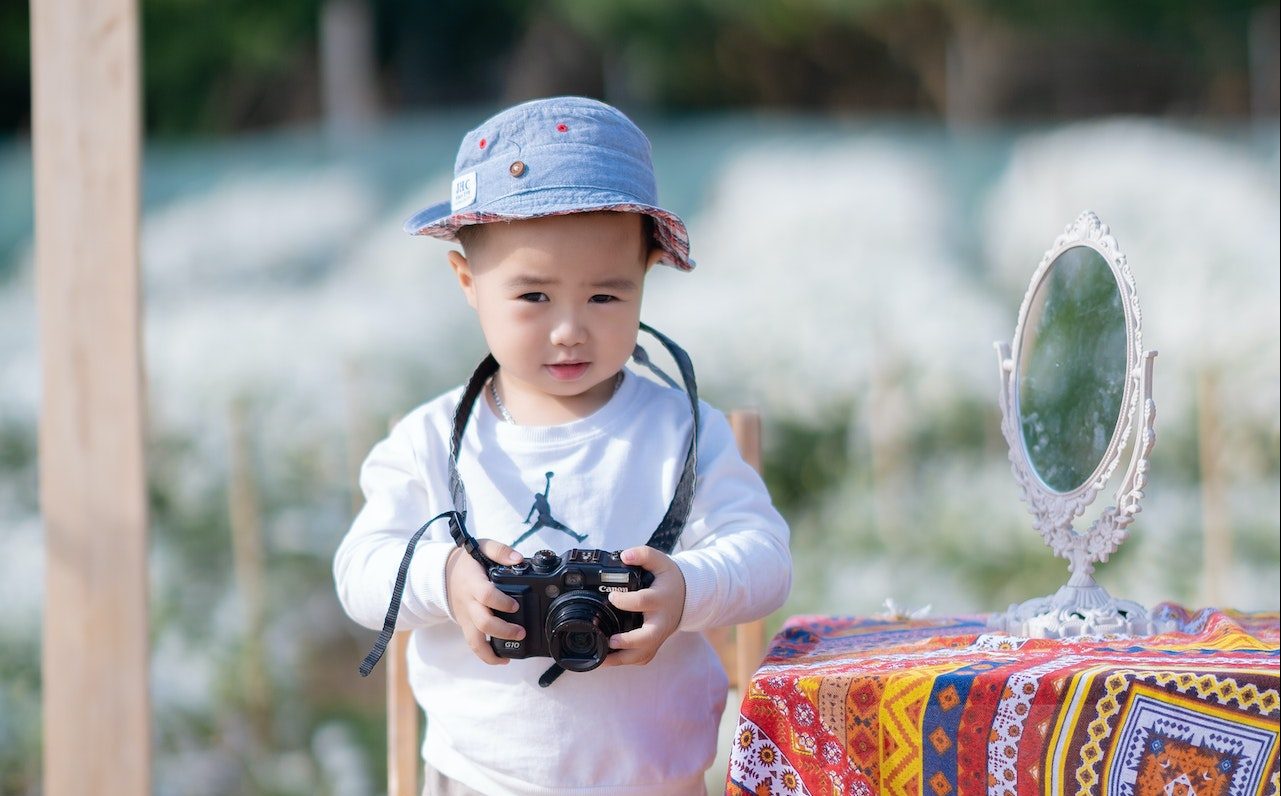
point(943, 706)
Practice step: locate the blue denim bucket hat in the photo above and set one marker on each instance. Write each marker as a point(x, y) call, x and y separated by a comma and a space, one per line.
point(552, 157)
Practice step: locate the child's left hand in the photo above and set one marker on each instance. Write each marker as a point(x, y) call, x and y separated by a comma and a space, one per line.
point(663, 604)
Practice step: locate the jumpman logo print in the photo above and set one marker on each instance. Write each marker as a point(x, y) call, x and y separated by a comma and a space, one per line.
point(545, 518)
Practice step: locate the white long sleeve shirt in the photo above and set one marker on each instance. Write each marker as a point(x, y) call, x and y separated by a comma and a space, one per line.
point(607, 478)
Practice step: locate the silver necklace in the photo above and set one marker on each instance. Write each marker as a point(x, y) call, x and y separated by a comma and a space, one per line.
point(502, 407)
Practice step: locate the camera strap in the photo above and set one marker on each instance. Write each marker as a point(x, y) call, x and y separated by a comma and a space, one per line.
point(673, 522)
point(463, 539)
point(389, 623)
point(664, 536)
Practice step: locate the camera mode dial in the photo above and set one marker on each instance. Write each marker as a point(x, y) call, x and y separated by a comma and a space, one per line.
point(545, 561)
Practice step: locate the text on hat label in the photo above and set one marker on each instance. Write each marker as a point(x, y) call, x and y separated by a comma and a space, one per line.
point(463, 192)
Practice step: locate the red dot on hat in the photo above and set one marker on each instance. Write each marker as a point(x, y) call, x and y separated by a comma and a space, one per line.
point(562, 128)
point(483, 142)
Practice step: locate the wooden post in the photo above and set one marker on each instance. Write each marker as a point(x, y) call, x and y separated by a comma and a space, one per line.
point(884, 432)
point(247, 564)
point(404, 759)
point(1216, 536)
point(85, 125)
point(360, 436)
point(749, 637)
point(348, 68)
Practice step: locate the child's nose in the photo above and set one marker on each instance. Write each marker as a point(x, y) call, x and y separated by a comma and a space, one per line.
point(569, 330)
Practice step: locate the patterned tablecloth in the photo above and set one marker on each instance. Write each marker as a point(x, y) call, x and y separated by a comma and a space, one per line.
point(943, 706)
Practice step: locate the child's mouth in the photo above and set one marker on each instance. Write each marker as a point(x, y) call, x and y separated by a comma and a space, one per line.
point(568, 371)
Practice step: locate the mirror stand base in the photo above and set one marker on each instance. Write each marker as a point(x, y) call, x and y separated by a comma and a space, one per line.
point(1076, 610)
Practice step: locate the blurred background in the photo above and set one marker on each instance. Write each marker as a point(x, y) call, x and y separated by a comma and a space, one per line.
point(869, 186)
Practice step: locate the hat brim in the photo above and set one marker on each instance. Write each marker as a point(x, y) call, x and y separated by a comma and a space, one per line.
point(438, 221)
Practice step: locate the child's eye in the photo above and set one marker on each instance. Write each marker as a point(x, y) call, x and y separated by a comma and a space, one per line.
point(602, 298)
point(533, 297)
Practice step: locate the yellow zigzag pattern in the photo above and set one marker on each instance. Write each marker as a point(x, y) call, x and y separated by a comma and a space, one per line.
point(902, 711)
point(1225, 690)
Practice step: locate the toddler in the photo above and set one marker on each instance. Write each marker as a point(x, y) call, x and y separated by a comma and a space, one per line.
point(555, 206)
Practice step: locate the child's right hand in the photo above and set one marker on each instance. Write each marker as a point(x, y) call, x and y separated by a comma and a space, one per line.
point(471, 597)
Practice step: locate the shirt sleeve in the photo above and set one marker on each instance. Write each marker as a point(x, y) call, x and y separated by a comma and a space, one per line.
point(398, 500)
point(734, 549)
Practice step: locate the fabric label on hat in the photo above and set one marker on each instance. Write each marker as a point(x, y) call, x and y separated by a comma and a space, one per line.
point(463, 192)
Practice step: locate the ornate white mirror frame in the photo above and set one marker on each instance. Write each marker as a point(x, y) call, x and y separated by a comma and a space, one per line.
point(1082, 606)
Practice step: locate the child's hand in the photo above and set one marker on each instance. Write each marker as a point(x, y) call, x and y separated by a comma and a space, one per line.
point(471, 596)
point(663, 604)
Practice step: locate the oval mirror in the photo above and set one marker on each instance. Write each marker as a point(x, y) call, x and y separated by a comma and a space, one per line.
point(1076, 384)
point(1071, 369)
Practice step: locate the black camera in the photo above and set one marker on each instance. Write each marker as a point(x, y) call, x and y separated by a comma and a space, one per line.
point(564, 605)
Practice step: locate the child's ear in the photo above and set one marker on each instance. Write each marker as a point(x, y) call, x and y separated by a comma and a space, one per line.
point(652, 259)
point(462, 270)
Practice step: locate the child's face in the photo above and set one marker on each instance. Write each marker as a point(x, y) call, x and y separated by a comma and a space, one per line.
point(559, 301)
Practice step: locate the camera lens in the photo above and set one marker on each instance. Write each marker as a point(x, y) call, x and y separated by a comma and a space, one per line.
point(580, 643)
point(579, 625)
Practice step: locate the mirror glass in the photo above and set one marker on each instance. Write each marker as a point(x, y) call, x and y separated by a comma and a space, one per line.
point(1071, 368)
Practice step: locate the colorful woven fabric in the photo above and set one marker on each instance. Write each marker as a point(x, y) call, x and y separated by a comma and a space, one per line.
point(943, 707)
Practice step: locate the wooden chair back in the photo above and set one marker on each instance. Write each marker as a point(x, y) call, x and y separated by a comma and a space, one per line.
point(741, 649)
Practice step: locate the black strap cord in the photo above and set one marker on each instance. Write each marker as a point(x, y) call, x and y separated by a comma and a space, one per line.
point(462, 413)
point(389, 624)
point(669, 530)
point(548, 677)
point(641, 357)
